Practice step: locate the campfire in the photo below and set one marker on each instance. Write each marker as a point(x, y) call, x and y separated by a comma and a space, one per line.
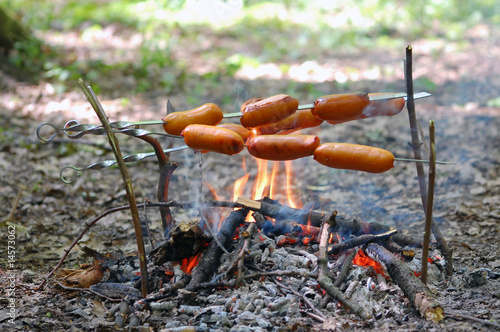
point(267, 257)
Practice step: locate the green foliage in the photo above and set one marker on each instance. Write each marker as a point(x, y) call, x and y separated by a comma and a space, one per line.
point(283, 32)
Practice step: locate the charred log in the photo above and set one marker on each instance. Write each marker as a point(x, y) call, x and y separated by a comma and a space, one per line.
point(314, 218)
point(358, 241)
point(185, 240)
point(210, 260)
point(418, 293)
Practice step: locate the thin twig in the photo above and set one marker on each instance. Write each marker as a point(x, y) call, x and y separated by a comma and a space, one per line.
point(303, 297)
point(326, 283)
point(472, 318)
point(87, 290)
point(430, 200)
point(415, 144)
point(241, 256)
point(214, 236)
point(146, 221)
point(15, 203)
point(113, 142)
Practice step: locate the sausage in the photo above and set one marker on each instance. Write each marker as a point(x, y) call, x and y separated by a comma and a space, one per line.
point(268, 110)
point(211, 138)
point(239, 129)
point(250, 101)
point(209, 114)
point(387, 107)
point(299, 120)
point(341, 107)
point(282, 147)
point(355, 157)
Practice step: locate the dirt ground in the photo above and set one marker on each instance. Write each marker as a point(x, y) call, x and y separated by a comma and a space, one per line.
point(50, 214)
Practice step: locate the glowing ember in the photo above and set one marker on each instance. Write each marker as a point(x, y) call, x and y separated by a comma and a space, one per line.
point(362, 260)
point(188, 264)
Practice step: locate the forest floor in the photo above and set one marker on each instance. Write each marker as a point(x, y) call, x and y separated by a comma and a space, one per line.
point(50, 214)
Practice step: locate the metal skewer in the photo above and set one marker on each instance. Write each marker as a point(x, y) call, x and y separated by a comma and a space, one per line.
point(108, 163)
point(73, 129)
point(419, 95)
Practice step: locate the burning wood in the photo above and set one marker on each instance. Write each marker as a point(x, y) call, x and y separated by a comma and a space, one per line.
point(184, 241)
point(210, 260)
point(358, 241)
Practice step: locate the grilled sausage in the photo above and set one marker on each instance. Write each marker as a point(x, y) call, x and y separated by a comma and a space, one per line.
point(299, 120)
point(209, 114)
point(355, 157)
point(282, 147)
point(269, 110)
point(340, 107)
point(211, 138)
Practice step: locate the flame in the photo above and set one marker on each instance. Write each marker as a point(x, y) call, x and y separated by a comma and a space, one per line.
point(274, 187)
point(239, 186)
point(212, 190)
point(290, 193)
point(261, 181)
point(188, 264)
point(362, 260)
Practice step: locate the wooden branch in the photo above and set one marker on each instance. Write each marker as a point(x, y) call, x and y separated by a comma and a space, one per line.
point(113, 142)
point(210, 260)
point(344, 273)
point(317, 312)
point(247, 234)
point(358, 241)
point(430, 202)
point(326, 283)
point(415, 145)
point(418, 293)
point(166, 168)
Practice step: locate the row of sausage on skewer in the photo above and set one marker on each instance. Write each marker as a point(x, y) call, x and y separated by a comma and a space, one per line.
point(266, 124)
point(283, 114)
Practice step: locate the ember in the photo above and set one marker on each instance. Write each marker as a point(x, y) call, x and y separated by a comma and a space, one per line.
point(361, 259)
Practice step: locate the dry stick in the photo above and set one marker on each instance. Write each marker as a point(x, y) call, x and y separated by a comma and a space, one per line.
point(318, 314)
point(472, 318)
point(247, 234)
point(279, 273)
point(166, 168)
point(326, 283)
point(415, 144)
point(78, 238)
point(344, 273)
point(15, 203)
point(96, 105)
point(430, 201)
point(417, 293)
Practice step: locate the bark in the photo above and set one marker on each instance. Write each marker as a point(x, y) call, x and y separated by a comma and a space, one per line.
point(210, 260)
point(326, 282)
point(417, 292)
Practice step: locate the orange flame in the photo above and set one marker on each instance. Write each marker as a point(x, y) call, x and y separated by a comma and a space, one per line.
point(262, 181)
point(293, 201)
point(239, 186)
point(188, 264)
point(362, 260)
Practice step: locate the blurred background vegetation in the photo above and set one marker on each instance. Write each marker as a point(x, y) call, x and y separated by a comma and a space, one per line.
point(169, 43)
